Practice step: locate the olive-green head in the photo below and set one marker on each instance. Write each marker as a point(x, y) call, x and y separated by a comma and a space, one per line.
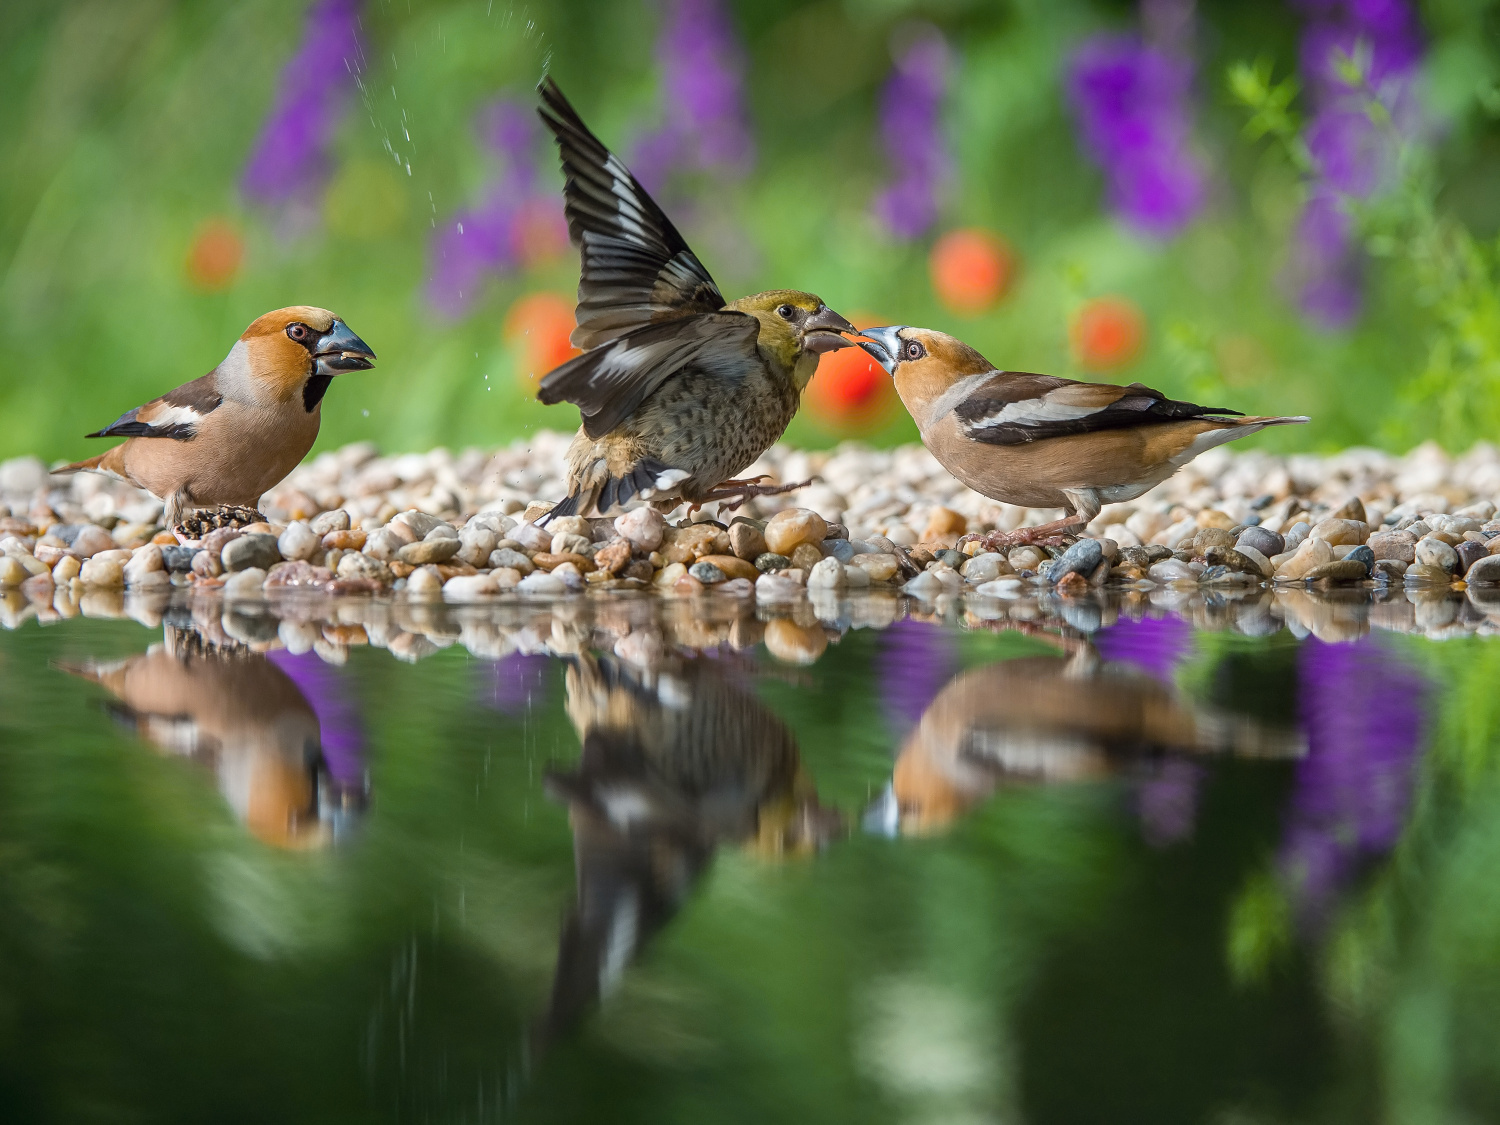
point(795, 328)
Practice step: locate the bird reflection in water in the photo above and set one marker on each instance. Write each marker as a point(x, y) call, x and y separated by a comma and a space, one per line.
point(238, 714)
point(676, 761)
point(1053, 718)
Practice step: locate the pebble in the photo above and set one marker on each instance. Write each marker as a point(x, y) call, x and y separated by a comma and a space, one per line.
point(1435, 553)
point(1484, 572)
point(510, 557)
point(245, 583)
point(107, 573)
point(543, 584)
point(1469, 552)
point(747, 541)
point(324, 522)
point(828, 574)
point(424, 582)
point(1026, 558)
point(1295, 536)
point(249, 551)
point(90, 540)
point(354, 565)
point(772, 561)
point(435, 550)
point(785, 531)
point(299, 542)
point(1312, 553)
point(774, 587)
point(1081, 558)
point(642, 528)
point(1336, 531)
point(146, 561)
point(732, 567)
point(66, 569)
point(1399, 545)
point(1364, 556)
point(12, 573)
point(879, 566)
point(984, 567)
point(1172, 570)
point(1264, 542)
point(793, 643)
point(1001, 588)
point(707, 573)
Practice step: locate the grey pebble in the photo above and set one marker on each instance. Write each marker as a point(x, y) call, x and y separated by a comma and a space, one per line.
point(251, 551)
point(841, 549)
point(1295, 536)
point(1082, 557)
point(707, 573)
point(177, 560)
point(1364, 555)
point(772, 561)
point(1264, 540)
point(953, 558)
point(1469, 553)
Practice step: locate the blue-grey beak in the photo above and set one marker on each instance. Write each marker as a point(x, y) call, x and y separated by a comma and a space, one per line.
point(339, 349)
point(884, 344)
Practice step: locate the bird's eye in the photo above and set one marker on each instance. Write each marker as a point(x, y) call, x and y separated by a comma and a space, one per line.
point(786, 312)
point(297, 331)
point(914, 350)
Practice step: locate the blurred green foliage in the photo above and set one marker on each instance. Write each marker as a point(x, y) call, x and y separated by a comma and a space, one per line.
point(131, 121)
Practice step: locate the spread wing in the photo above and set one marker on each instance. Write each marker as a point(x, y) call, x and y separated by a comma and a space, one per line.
point(609, 382)
point(174, 415)
point(637, 270)
point(1015, 407)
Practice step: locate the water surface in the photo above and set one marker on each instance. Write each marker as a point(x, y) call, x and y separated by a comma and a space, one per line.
point(872, 860)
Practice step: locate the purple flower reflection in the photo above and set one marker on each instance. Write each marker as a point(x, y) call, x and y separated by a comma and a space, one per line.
point(911, 133)
point(342, 733)
point(492, 238)
point(1362, 711)
point(1351, 154)
point(1167, 801)
point(510, 684)
point(705, 127)
point(1153, 644)
point(290, 160)
point(1132, 101)
point(913, 663)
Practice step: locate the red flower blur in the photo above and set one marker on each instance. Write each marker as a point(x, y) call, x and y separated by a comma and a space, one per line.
point(851, 393)
point(972, 270)
point(213, 259)
point(1108, 333)
point(541, 323)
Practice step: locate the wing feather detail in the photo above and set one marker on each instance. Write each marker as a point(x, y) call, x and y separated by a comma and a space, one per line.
point(636, 269)
point(610, 381)
point(1014, 408)
point(176, 415)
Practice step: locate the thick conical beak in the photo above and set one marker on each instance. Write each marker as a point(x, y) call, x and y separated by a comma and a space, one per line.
point(339, 350)
point(822, 332)
point(884, 344)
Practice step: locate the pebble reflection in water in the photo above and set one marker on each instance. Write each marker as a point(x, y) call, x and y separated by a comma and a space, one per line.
point(238, 714)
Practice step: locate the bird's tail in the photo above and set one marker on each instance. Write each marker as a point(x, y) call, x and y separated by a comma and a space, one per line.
point(91, 465)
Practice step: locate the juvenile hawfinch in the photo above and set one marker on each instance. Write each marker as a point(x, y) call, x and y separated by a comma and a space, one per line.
point(675, 762)
point(1048, 720)
point(232, 435)
point(1040, 441)
point(679, 389)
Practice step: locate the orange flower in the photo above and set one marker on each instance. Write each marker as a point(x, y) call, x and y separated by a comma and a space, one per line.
point(971, 270)
point(213, 259)
point(541, 323)
point(1108, 333)
point(850, 392)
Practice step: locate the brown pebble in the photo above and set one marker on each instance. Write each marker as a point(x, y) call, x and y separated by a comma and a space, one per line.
point(546, 560)
point(687, 545)
point(1339, 570)
point(687, 584)
point(401, 569)
point(1073, 583)
point(921, 556)
point(945, 522)
point(346, 634)
point(806, 556)
point(638, 570)
point(341, 586)
point(458, 569)
point(747, 541)
point(164, 539)
point(1352, 509)
point(613, 556)
point(732, 566)
point(351, 540)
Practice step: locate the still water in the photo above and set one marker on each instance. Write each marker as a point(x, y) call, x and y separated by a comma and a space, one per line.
point(634, 861)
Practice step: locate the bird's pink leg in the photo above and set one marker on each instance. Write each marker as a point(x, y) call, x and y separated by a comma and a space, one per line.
point(746, 490)
point(1054, 534)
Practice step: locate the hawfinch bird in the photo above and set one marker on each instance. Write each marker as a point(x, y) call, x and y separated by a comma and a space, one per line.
point(1040, 441)
point(238, 716)
point(230, 436)
point(1046, 720)
point(675, 762)
point(679, 389)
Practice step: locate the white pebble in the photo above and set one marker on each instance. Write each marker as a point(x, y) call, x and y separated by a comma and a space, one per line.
point(245, 583)
point(1172, 570)
point(298, 542)
point(542, 584)
point(643, 527)
point(827, 575)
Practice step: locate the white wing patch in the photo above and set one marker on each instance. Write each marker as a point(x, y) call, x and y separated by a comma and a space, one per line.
point(669, 479)
point(630, 214)
point(1032, 412)
point(173, 416)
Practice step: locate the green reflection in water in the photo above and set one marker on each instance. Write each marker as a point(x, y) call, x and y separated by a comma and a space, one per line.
point(1043, 958)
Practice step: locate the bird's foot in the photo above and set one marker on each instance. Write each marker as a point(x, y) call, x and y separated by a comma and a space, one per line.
point(1058, 533)
point(197, 524)
point(746, 490)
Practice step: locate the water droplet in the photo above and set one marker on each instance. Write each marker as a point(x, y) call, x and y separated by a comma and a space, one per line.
point(366, 413)
point(460, 228)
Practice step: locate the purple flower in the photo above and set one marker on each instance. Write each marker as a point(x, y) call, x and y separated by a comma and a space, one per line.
point(1362, 711)
point(492, 238)
point(913, 663)
point(509, 685)
point(290, 162)
point(704, 126)
point(1132, 102)
point(342, 733)
point(1167, 801)
point(1352, 156)
point(911, 133)
point(1155, 645)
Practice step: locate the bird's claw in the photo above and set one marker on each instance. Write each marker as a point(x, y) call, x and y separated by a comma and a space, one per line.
point(746, 490)
point(1056, 534)
point(193, 527)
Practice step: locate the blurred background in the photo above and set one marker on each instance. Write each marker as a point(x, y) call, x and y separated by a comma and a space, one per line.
point(1283, 207)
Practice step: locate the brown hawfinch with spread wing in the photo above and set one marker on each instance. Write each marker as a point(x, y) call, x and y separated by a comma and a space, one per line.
point(235, 433)
point(1040, 441)
point(679, 389)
